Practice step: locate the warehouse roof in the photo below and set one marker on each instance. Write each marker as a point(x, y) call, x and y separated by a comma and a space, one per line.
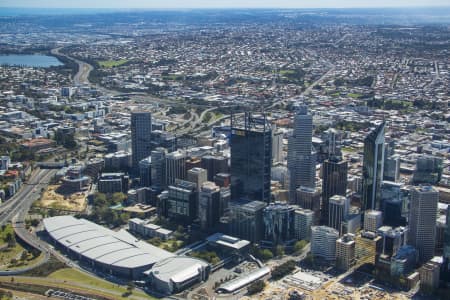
point(95, 242)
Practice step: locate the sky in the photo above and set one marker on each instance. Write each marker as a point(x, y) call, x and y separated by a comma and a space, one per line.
point(158, 4)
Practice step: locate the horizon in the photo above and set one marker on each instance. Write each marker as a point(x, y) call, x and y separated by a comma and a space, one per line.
point(230, 4)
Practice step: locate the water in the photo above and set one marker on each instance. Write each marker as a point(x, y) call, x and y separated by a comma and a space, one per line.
point(35, 60)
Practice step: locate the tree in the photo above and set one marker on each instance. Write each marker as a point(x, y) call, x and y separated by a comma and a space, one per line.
point(279, 250)
point(24, 255)
point(10, 239)
point(118, 197)
point(256, 287)
point(265, 254)
point(298, 247)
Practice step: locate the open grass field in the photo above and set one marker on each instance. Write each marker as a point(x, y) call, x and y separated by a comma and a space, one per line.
point(112, 63)
point(70, 275)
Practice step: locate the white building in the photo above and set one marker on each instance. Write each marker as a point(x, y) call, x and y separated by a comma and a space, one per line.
point(323, 242)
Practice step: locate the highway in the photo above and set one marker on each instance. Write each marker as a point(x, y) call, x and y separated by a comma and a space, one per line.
point(16, 208)
point(81, 78)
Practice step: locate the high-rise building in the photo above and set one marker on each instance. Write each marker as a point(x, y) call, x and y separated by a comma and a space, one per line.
point(5, 161)
point(158, 169)
point(392, 168)
point(246, 220)
point(141, 130)
point(428, 170)
point(145, 172)
point(373, 168)
point(197, 176)
point(277, 146)
point(278, 221)
point(422, 221)
point(182, 201)
point(338, 211)
point(303, 220)
point(393, 239)
point(209, 205)
point(334, 182)
point(251, 158)
point(214, 164)
point(429, 276)
point(373, 219)
point(446, 250)
point(394, 203)
point(323, 242)
point(175, 166)
point(309, 198)
point(345, 252)
point(301, 159)
point(222, 179)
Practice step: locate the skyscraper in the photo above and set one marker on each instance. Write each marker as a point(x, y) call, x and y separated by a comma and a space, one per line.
point(141, 130)
point(373, 168)
point(251, 158)
point(145, 172)
point(422, 221)
point(334, 182)
point(158, 171)
point(301, 158)
point(209, 205)
point(278, 221)
point(175, 166)
point(338, 211)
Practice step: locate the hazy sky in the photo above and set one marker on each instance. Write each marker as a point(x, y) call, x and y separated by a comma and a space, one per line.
point(218, 3)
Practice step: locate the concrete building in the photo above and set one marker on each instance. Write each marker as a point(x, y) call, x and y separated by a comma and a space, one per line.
point(373, 219)
point(197, 176)
point(429, 276)
point(148, 230)
point(118, 161)
point(175, 167)
point(301, 159)
point(141, 130)
point(422, 221)
point(345, 252)
point(110, 183)
point(303, 220)
point(309, 198)
point(158, 171)
point(323, 242)
point(338, 211)
point(209, 205)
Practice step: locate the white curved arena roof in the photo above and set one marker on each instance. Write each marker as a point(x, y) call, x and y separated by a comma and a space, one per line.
point(95, 242)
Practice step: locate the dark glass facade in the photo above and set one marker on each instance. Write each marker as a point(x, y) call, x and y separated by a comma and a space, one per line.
point(251, 159)
point(334, 182)
point(373, 168)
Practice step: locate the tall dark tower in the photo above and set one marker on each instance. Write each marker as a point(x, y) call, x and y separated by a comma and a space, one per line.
point(251, 157)
point(141, 130)
point(334, 182)
point(373, 168)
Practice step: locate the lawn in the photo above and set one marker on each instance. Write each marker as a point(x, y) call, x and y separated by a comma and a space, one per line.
point(112, 63)
point(354, 95)
point(76, 276)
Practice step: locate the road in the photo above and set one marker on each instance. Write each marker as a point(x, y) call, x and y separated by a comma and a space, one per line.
point(81, 78)
point(16, 209)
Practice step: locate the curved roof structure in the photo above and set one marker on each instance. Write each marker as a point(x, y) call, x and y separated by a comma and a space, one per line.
point(97, 243)
point(178, 269)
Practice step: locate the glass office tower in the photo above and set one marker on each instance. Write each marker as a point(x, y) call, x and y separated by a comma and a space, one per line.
point(373, 168)
point(251, 157)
